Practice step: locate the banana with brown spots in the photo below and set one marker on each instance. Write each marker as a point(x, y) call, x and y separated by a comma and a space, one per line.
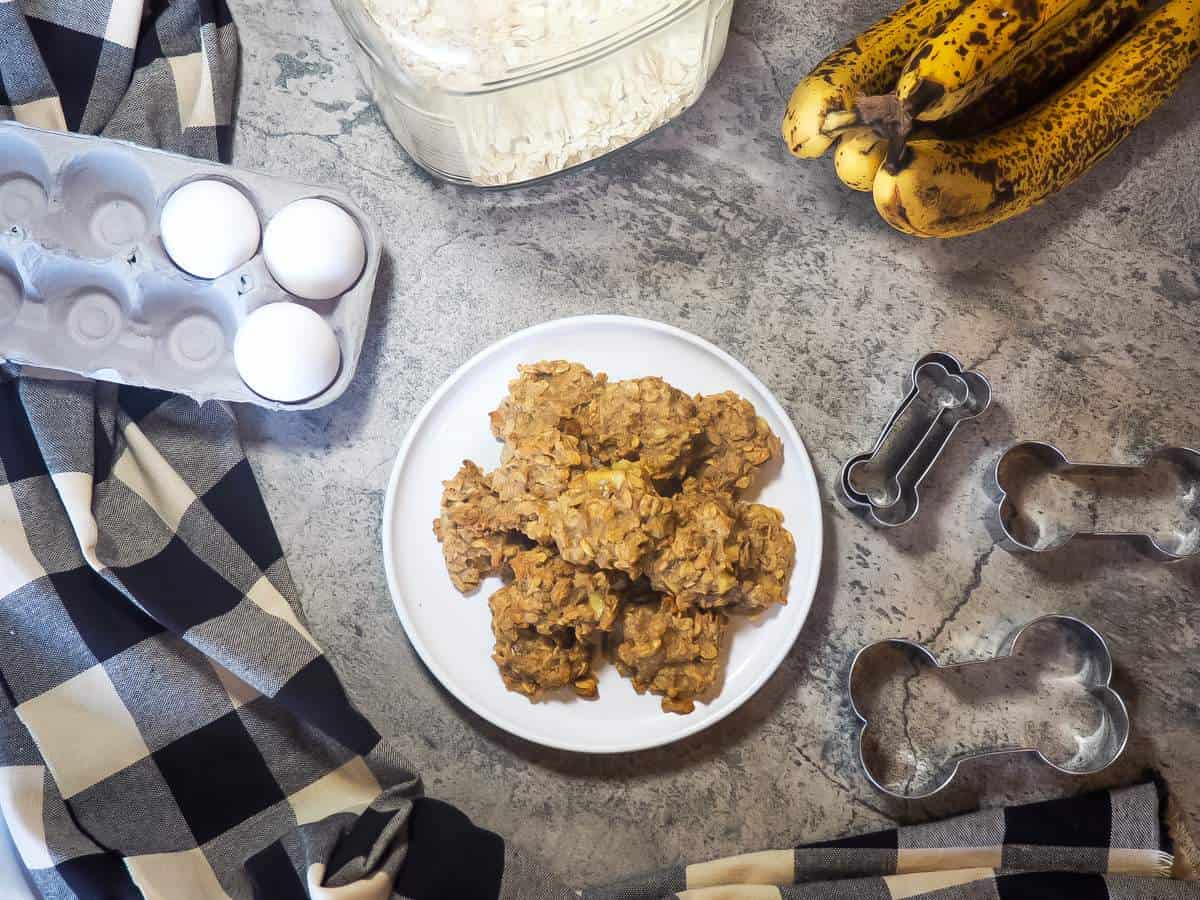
point(1063, 56)
point(963, 60)
point(822, 105)
point(946, 188)
point(861, 151)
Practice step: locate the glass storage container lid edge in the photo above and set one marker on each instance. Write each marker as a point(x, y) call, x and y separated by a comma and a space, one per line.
point(483, 45)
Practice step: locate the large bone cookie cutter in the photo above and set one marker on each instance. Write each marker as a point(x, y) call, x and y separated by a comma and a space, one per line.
point(883, 484)
point(1046, 693)
point(1045, 500)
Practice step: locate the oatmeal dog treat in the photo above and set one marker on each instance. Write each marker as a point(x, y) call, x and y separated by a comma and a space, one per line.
point(550, 595)
point(644, 420)
point(671, 651)
point(735, 442)
point(474, 530)
point(696, 565)
point(766, 554)
point(609, 518)
point(534, 473)
point(615, 519)
point(724, 553)
point(545, 397)
point(535, 664)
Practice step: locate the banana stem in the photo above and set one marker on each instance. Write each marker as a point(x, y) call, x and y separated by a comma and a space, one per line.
point(891, 120)
point(886, 114)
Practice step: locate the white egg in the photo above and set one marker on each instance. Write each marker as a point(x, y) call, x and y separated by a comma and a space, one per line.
point(314, 249)
point(209, 228)
point(286, 352)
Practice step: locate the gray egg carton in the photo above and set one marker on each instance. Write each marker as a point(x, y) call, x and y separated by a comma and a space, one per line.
point(86, 285)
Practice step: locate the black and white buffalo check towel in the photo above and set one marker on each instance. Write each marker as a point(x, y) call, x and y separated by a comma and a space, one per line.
point(169, 728)
point(159, 72)
point(1111, 845)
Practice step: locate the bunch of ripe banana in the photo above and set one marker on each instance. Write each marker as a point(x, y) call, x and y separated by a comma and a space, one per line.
point(958, 114)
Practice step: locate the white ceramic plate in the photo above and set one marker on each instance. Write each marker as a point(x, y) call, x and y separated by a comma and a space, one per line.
point(452, 633)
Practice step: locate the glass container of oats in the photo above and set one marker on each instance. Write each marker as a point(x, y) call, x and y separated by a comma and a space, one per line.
point(498, 93)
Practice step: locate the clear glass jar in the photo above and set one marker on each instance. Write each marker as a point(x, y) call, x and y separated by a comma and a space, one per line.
point(504, 92)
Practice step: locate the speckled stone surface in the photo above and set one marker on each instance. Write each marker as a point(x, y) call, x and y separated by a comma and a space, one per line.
point(1084, 314)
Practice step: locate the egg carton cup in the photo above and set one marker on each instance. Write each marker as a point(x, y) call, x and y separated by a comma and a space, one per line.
point(86, 285)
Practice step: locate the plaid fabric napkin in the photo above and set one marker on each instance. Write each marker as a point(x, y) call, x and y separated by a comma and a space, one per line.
point(168, 726)
point(1110, 845)
point(169, 720)
point(158, 73)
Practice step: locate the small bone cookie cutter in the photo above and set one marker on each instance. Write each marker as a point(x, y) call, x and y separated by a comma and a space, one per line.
point(882, 485)
point(1044, 500)
point(1046, 693)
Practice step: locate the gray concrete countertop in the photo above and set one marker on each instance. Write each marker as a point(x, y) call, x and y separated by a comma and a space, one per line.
point(1084, 314)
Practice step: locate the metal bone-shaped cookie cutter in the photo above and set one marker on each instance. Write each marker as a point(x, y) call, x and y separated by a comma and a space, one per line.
point(1097, 492)
point(882, 485)
point(1065, 637)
